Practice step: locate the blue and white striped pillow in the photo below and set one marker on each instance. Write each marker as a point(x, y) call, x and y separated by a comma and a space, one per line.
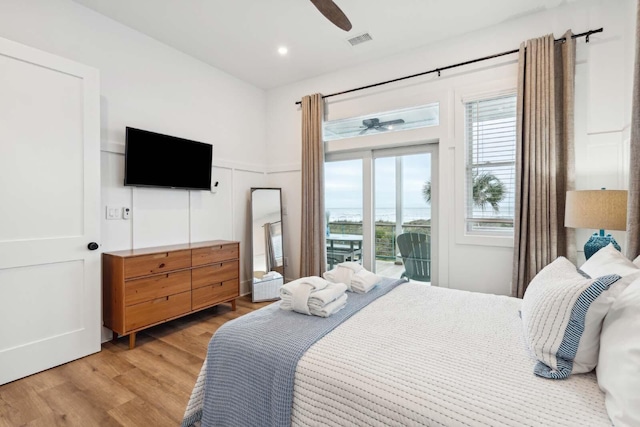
point(554, 309)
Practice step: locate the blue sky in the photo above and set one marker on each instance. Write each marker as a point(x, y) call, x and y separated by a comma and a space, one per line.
point(343, 182)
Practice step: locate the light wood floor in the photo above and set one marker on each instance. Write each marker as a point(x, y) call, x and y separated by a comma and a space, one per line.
point(147, 386)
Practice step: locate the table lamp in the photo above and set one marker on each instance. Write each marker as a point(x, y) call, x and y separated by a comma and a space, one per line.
point(599, 209)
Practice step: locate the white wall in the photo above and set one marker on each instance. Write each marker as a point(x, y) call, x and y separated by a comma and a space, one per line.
point(148, 85)
point(603, 94)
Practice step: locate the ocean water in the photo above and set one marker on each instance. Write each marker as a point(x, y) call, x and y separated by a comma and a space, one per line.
point(381, 214)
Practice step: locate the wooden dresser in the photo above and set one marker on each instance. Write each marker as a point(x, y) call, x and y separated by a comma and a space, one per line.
point(146, 287)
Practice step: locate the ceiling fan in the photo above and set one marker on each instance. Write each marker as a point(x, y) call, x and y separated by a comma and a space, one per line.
point(376, 124)
point(333, 13)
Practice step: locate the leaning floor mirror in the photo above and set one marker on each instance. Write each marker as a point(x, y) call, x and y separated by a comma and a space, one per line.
point(266, 243)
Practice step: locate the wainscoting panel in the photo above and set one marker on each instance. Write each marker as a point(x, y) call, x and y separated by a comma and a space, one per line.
point(116, 234)
point(605, 160)
point(160, 217)
point(212, 213)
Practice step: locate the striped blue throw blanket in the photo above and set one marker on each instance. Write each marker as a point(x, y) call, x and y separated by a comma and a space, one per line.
point(248, 375)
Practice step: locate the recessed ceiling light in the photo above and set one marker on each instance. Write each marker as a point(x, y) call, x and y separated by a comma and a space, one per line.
point(282, 50)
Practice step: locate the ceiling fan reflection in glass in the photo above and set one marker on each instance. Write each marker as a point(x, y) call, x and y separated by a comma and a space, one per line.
point(391, 121)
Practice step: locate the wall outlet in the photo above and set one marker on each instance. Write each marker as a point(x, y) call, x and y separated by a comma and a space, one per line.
point(126, 213)
point(113, 213)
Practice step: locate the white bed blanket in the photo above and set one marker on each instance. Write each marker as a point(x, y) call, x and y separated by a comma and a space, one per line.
point(428, 356)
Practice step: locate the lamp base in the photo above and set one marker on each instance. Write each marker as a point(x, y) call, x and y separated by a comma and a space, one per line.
point(597, 242)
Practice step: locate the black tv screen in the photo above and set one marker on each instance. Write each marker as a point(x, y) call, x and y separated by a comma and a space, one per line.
point(155, 160)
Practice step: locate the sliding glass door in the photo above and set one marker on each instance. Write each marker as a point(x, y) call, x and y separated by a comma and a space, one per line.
point(344, 211)
point(374, 196)
point(402, 204)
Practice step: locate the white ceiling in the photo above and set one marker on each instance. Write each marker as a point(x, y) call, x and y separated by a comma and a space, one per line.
point(241, 37)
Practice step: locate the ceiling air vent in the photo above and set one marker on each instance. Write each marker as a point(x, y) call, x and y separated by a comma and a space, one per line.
point(359, 39)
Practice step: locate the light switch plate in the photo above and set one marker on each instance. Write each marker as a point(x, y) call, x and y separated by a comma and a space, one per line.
point(113, 213)
point(126, 213)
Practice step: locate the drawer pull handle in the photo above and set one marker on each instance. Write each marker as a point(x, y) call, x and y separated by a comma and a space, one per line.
point(161, 265)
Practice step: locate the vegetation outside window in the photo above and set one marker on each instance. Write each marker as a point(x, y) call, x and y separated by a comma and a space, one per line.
point(490, 139)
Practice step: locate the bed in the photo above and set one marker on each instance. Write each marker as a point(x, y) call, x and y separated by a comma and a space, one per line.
point(404, 354)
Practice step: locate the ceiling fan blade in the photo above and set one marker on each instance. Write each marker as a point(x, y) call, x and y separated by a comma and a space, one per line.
point(363, 131)
point(392, 122)
point(333, 13)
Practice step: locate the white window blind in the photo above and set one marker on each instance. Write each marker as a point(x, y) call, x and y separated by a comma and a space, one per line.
point(491, 152)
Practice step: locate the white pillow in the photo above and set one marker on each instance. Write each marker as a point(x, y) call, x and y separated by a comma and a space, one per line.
point(609, 260)
point(618, 369)
point(557, 324)
point(587, 357)
point(637, 261)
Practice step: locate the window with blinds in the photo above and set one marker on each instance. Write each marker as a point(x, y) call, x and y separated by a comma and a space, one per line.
point(490, 173)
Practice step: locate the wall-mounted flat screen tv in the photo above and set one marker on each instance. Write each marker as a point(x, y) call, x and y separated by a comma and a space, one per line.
point(155, 160)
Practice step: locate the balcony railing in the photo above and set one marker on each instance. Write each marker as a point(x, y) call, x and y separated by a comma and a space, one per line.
point(385, 235)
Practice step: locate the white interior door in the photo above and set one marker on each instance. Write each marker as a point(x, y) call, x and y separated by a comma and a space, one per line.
point(49, 211)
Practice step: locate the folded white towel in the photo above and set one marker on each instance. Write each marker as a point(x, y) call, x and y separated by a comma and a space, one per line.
point(300, 290)
point(343, 274)
point(331, 308)
point(316, 283)
point(318, 298)
point(286, 303)
point(356, 277)
point(303, 299)
point(330, 275)
point(332, 292)
point(363, 281)
point(354, 266)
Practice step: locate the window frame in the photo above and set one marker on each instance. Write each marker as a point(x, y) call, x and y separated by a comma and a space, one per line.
point(470, 166)
point(462, 96)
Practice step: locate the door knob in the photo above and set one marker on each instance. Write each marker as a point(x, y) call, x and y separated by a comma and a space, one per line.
point(93, 246)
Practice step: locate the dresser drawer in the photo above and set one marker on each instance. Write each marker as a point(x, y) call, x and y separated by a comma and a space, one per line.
point(212, 274)
point(156, 263)
point(157, 310)
point(214, 254)
point(211, 294)
point(162, 285)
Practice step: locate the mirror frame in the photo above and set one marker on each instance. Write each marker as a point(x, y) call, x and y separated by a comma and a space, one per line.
point(253, 189)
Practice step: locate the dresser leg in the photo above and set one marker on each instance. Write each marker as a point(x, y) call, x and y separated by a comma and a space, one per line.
point(114, 337)
point(233, 305)
point(132, 340)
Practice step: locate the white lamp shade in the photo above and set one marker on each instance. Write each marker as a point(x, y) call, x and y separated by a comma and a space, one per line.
point(596, 209)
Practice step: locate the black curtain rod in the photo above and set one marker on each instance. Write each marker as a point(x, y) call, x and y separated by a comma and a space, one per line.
point(460, 64)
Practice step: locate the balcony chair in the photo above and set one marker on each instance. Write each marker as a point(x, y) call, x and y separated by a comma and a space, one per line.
point(415, 249)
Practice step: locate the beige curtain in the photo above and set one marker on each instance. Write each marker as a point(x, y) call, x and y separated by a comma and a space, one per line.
point(545, 159)
point(633, 210)
point(269, 252)
point(313, 247)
